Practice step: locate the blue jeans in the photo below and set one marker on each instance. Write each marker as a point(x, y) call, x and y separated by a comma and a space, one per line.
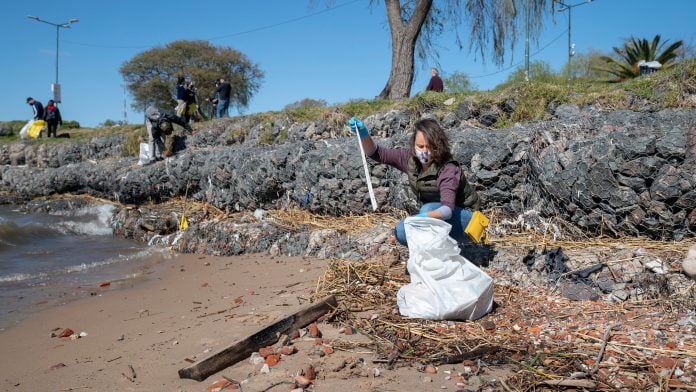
point(221, 108)
point(460, 218)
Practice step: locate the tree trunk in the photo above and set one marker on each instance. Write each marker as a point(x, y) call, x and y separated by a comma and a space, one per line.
point(404, 35)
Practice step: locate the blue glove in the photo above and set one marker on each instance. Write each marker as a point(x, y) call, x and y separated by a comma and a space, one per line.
point(422, 215)
point(357, 126)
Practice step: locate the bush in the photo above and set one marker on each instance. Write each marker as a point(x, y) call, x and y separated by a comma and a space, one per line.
point(306, 103)
point(72, 124)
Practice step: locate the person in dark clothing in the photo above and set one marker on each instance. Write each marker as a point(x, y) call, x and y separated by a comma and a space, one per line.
point(437, 179)
point(435, 83)
point(180, 96)
point(191, 102)
point(37, 107)
point(223, 96)
point(53, 118)
point(159, 125)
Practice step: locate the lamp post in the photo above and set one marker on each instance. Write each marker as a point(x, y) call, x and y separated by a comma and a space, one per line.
point(569, 7)
point(65, 25)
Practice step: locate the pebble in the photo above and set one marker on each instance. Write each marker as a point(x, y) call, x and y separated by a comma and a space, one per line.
point(430, 369)
point(427, 379)
point(120, 338)
point(376, 372)
point(265, 369)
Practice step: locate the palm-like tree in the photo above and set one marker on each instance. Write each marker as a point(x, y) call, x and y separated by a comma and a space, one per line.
point(635, 50)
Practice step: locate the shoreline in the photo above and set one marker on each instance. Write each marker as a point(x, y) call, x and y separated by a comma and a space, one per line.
point(163, 320)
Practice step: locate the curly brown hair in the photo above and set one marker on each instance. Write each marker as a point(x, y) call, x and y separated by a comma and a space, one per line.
point(437, 140)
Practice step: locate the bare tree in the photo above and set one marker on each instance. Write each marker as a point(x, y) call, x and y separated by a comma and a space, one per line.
point(416, 24)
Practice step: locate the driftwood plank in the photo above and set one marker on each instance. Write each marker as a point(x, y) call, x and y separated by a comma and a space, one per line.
point(243, 348)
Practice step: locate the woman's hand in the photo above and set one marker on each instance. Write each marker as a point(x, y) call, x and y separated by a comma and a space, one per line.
point(357, 126)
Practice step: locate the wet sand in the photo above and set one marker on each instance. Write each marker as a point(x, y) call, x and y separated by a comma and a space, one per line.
point(186, 309)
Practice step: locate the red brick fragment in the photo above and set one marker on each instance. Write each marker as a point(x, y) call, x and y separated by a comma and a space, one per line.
point(104, 284)
point(221, 385)
point(266, 351)
point(272, 359)
point(65, 333)
point(287, 350)
point(314, 331)
point(430, 369)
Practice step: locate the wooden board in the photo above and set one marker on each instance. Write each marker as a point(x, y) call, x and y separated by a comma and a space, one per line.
point(265, 336)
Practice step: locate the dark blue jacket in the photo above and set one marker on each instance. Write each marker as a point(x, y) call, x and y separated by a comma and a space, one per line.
point(38, 110)
point(180, 92)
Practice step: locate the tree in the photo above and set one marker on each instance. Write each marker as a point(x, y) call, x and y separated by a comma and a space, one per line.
point(585, 66)
point(539, 71)
point(306, 103)
point(151, 75)
point(415, 24)
point(458, 82)
point(634, 50)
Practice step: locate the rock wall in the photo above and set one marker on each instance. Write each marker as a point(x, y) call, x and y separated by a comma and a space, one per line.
point(31, 153)
point(617, 172)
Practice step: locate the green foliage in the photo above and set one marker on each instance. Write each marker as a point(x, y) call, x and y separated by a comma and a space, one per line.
point(586, 66)
point(363, 108)
point(306, 103)
point(110, 123)
point(266, 137)
point(151, 75)
point(633, 51)
point(305, 113)
point(134, 137)
point(539, 72)
point(72, 124)
point(9, 128)
point(458, 82)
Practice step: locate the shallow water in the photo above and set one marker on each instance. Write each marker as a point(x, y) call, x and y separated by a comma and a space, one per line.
point(47, 259)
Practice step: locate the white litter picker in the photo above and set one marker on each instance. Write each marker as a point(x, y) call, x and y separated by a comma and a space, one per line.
point(367, 171)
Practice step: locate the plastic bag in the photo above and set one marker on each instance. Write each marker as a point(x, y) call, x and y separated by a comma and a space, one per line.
point(23, 133)
point(144, 157)
point(444, 285)
point(35, 128)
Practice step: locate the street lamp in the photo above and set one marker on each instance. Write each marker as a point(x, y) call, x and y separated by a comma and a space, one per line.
point(569, 7)
point(55, 88)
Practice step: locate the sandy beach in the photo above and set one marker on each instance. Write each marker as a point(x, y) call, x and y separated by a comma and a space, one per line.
point(139, 334)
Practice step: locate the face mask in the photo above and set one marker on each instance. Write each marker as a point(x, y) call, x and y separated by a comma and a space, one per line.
point(423, 156)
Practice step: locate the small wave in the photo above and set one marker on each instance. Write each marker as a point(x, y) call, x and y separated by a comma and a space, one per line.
point(21, 277)
point(94, 220)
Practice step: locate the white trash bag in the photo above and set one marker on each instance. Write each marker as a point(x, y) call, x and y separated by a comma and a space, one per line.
point(144, 154)
point(444, 285)
point(24, 132)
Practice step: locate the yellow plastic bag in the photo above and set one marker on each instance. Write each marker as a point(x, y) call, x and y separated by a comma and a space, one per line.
point(476, 229)
point(35, 128)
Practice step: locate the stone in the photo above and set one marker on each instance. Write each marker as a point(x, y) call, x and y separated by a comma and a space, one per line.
point(620, 295)
point(303, 381)
point(427, 379)
point(309, 372)
point(288, 350)
point(65, 333)
point(489, 118)
point(313, 330)
point(430, 369)
point(265, 369)
point(567, 112)
point(689, 263)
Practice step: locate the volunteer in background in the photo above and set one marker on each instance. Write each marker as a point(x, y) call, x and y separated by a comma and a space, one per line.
point(435, 178)
point(38, 110)
point(159, 125)
point(435, 83)
point(53, 118)
point(180, 96)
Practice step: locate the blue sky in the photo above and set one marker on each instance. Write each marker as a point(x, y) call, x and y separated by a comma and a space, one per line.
point(336, 55)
